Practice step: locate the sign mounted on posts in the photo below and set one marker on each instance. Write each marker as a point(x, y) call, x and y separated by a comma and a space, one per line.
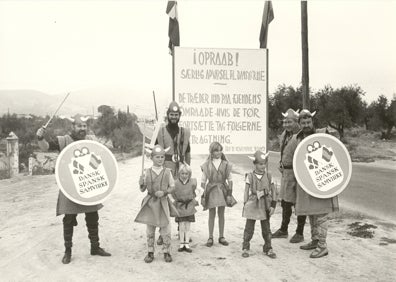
point(322, 165)
point(223, 94)
point(86, 172)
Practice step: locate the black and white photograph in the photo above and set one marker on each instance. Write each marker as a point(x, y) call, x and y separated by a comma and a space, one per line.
point(197, 140)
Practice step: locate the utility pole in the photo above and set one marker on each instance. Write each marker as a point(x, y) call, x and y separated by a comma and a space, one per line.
point(304, 45)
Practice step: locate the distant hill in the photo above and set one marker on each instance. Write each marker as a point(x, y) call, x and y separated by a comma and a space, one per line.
point(25, 102)
point(86, 101)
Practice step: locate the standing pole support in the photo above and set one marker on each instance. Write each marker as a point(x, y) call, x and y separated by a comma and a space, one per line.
point(305, 61)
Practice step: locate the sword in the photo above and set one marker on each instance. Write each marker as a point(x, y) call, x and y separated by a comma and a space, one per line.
point(48, 122)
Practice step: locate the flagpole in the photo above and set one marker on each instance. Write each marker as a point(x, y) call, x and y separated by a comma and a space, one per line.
point(173, 74)
point(174, 37)
point(304, 47)
point(267, 94)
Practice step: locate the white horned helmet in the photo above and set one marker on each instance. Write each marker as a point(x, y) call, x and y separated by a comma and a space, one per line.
point(259, 156)
point(306, 113)
point(156, 150)
point(78, 118)
point(290, 113)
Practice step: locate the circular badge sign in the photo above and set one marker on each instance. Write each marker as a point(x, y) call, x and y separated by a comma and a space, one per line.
point(86, 172)
point(322, 165)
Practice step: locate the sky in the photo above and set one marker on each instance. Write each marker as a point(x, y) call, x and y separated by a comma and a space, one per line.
point(61, 46)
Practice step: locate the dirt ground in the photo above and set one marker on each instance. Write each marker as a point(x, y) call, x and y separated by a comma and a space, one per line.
point(31, 242)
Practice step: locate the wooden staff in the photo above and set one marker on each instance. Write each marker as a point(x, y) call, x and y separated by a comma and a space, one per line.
point(157, 126)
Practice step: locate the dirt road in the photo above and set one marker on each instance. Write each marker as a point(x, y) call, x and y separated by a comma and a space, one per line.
point(31, 242)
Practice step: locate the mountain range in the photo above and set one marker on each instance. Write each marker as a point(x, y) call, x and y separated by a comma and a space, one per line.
point(26, 101)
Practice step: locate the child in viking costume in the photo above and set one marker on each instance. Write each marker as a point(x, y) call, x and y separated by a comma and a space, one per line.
point(217, 184)
point(156, 206)
point(259, 203)
point(185, 203)
point(67, 207)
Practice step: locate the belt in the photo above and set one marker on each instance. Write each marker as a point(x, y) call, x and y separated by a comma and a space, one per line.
point(288, 167)
point(185, 203)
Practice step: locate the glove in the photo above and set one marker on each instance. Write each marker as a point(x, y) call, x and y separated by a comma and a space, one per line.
point(271, 211)
point(40, 132)
point(141, 180)
point(159, 194)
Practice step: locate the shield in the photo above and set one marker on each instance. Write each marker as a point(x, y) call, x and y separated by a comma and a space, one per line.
point(86, 172)
point(322, 165)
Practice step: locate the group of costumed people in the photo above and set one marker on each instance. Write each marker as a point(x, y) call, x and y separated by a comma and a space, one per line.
point(173, 192)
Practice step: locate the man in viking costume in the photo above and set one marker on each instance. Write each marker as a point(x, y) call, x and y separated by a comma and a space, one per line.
point(64, 205)
point(177, 139)
point(288, 181)
point(316, 209)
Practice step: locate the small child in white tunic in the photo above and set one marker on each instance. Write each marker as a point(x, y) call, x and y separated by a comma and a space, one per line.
point(185, 203)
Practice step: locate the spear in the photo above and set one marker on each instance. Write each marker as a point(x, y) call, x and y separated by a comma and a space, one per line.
point(143, 144)
point(48, 122)
point(157, 125)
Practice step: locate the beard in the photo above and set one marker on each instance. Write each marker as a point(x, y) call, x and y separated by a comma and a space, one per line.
point(308, 130)
point(173, 121)
point(80, 135)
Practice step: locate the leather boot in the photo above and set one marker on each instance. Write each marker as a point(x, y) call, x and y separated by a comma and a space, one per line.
point(310, 246)
point(94, 238)
point(67, 256)
point(149, 258)
point(167, 257)
point(99, 252)
point(67, 236)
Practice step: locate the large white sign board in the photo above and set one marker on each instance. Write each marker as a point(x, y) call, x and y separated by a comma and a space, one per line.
point(223, 93)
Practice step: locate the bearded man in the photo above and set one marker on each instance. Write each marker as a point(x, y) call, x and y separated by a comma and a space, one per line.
point(64, 205)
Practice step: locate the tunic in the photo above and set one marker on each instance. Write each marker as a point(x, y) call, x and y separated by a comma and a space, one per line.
point(178, 146)
point(157, 211)
point(261, 194)
point(185, 203)
point(64, 205)
point(288, 180)
point(217, 188)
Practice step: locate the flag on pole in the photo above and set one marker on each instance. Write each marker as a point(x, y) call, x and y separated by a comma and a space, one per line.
point(173, 32)
point(268, 16)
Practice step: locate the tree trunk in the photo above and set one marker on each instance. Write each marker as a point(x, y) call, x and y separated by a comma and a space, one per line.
point(389, 131)
point(366, 121)
point(341, 132)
